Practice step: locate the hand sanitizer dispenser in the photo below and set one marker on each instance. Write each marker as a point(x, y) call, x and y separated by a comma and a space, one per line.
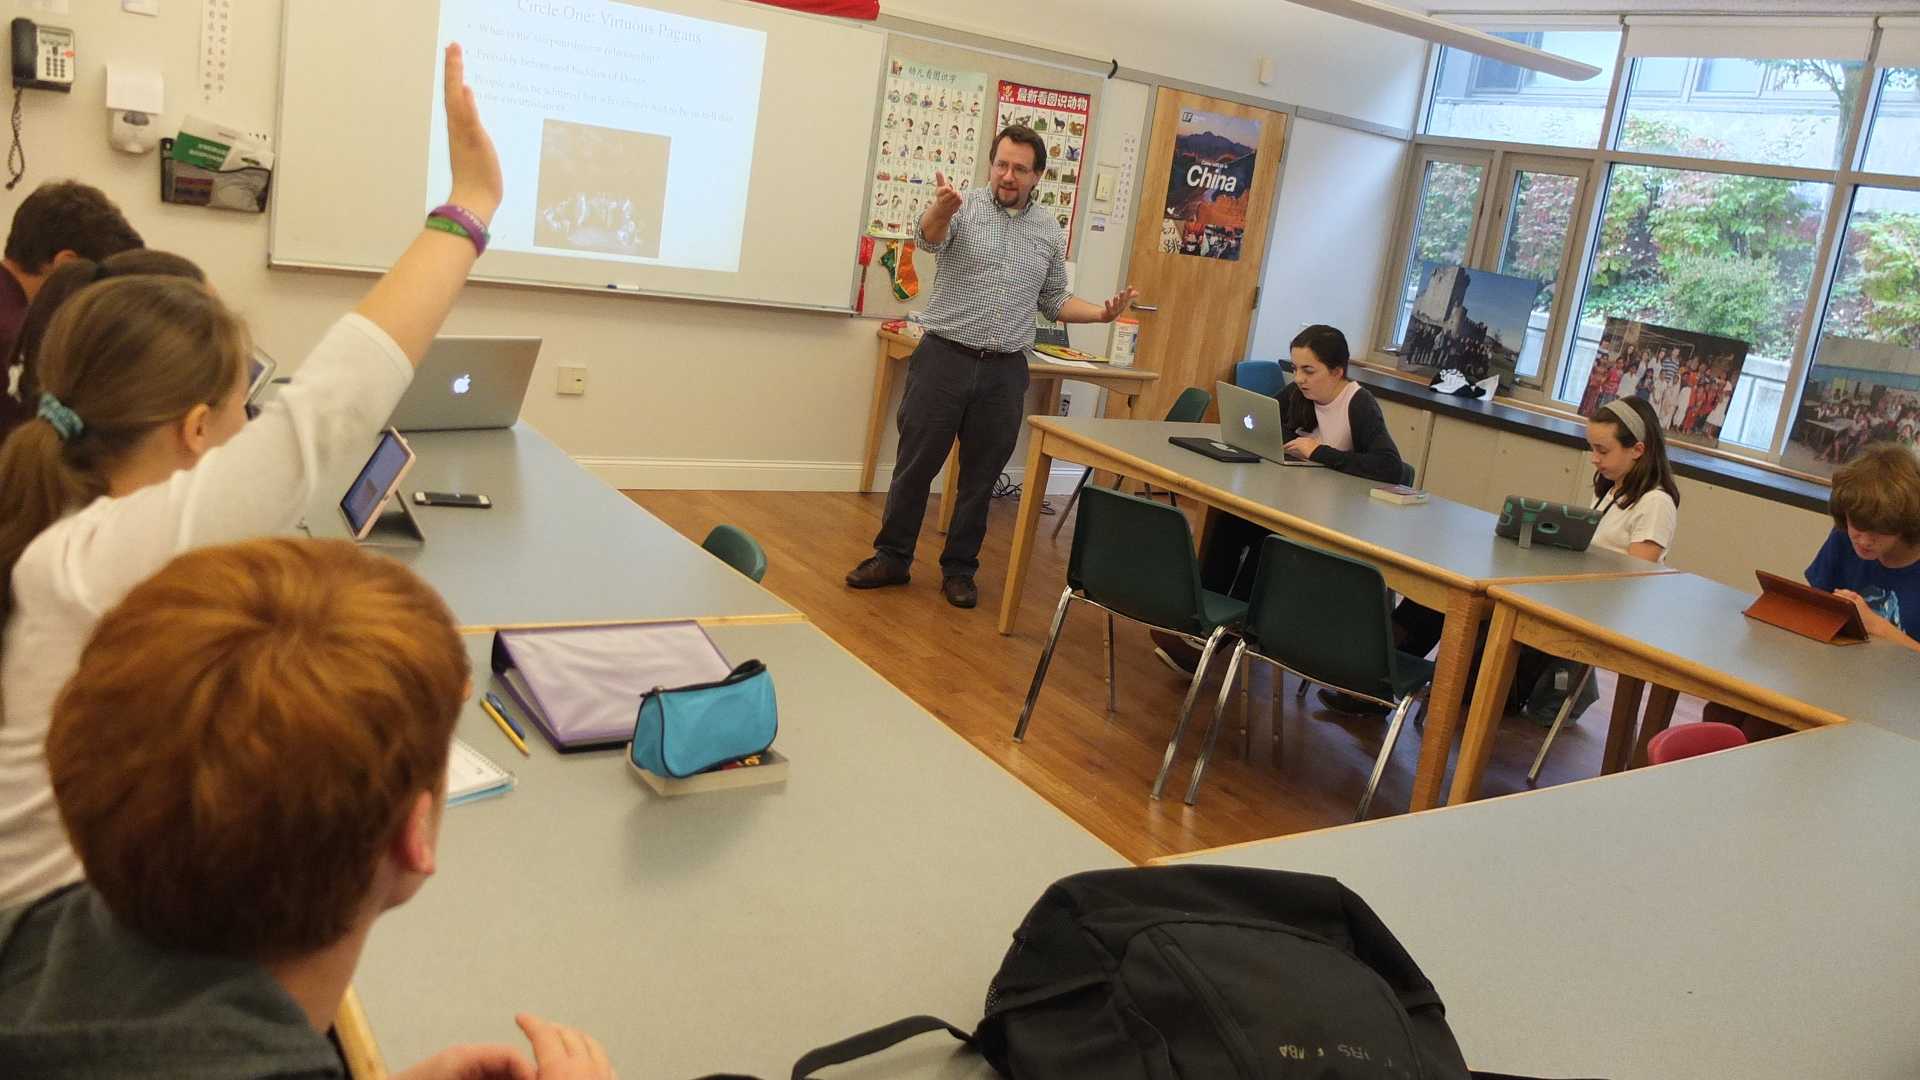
point(135, 99)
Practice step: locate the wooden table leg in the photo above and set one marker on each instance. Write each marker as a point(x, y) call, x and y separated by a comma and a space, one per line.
point(1660, 703)
point(877, 414)
point(1626, 717)
point(1464, 612)
point(1489, 704)
point(949, 486)
point(1039, 463)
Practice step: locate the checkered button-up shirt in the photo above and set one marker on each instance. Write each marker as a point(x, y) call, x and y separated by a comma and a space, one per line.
point(995, 270)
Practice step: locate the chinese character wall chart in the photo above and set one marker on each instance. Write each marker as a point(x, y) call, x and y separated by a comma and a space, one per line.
point(930, 121)
point(1060, 118)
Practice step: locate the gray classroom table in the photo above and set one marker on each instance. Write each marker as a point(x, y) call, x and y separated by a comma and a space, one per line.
point(1751, 914)
point(1440, 553)
point(1687, 634)
point(558, 546)
point(733, 930)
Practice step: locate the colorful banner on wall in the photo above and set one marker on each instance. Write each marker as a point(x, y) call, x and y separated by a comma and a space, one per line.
point(851, 9)
point(930, 123)
point(1061, 118)
point(1211, 187)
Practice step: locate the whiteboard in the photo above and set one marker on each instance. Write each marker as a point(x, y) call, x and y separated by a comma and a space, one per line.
point(358, 91)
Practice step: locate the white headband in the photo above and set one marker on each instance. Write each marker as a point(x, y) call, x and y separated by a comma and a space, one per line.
point(1620, 408)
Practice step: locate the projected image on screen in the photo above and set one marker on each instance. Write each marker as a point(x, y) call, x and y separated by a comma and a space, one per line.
point(601, 189)
point(626, 134)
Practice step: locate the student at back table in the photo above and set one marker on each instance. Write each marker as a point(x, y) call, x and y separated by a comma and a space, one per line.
point(239, 852)
point(1639, 499)
point(1326, 418)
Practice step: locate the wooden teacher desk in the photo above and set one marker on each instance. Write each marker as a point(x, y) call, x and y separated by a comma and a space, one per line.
point(1441, 554)
point(733, 930)
point(1746, 914)
point(1685, 634)
point(895, 348)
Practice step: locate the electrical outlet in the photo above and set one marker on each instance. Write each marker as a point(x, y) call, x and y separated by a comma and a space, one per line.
point(573, 380)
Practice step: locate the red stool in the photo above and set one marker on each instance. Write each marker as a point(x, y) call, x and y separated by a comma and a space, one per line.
point(1689, 740)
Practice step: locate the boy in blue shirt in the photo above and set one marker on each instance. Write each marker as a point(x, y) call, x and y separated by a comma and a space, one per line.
point(1873, 556)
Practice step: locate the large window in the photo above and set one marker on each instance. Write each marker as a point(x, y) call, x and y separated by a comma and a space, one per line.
point(1773, 112)
point(1713, 253)
point(1442, 226)
point(1895, 143)
point(1475, 98)
point(1739, 194)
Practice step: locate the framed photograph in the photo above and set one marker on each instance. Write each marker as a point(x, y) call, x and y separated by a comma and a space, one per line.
point(1470, 321)
point(1858, 392)
point(1688, 378)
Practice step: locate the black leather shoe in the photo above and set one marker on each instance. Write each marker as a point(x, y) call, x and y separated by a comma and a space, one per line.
point(960, 591)
point(1173, 651)
point(877, 573)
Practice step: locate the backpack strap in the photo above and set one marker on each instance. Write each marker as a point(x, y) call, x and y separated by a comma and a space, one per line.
point(872, 1042)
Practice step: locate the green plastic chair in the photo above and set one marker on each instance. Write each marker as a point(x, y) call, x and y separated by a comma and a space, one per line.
point(1133, 557)
point(1329, 619)
point(738, 549)
point(1189, 408)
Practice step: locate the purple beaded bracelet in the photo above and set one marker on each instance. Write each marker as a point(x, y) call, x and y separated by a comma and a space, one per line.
point(467, 220)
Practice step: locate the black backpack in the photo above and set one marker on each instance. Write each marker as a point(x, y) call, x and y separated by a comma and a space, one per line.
point(1199, 971)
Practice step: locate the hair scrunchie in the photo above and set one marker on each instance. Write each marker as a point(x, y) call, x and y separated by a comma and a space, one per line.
point(64, 420)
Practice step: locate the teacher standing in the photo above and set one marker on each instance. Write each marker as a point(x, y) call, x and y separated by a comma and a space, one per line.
point(1000, 261)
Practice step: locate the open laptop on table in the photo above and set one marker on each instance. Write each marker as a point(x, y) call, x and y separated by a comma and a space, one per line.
point(1250, 422)
point(467, 383)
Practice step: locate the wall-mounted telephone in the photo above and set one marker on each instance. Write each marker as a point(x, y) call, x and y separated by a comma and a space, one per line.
point(42, 56)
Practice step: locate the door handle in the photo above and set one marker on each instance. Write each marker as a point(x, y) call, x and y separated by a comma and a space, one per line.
point(1138, 306)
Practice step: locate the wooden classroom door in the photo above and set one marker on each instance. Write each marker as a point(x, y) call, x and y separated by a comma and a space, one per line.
point(1200, 241)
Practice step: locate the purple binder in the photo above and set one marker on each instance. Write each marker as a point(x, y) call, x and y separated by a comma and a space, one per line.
point(582, 685)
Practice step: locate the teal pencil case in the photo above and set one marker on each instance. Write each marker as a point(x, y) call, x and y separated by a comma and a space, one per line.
point(690, 729)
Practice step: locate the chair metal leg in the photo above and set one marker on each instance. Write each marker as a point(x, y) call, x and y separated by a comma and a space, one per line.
point(1071, 499)
point(1559, 721)
point(1186, 708)
point(1046, 657)
point(1386, 751)
point(1213, 729)
point(1112, 685)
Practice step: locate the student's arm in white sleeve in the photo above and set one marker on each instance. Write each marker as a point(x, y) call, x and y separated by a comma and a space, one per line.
point(413, 298)
point(1651, 525)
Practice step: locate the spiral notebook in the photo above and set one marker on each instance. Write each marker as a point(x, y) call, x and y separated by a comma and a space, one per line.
point(472, 776)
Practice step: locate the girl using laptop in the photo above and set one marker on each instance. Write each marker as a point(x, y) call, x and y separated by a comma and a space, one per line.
point(143, 383)
point(1327, 419)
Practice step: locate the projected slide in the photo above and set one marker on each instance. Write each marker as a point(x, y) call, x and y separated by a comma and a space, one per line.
point(626, 134)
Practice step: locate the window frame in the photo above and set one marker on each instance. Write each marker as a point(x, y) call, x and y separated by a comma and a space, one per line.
point(1503, 160)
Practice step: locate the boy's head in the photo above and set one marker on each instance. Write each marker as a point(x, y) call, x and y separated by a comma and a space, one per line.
point(63, 219)
point(1876, 499)
point(251, 756)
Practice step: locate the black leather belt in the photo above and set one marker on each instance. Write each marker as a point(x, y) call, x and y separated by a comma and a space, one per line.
point(977, 354)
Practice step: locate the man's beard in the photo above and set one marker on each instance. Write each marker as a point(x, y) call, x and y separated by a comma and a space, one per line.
point(1016, 204)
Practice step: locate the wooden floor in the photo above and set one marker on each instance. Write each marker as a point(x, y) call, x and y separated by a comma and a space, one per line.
point(1283, 766)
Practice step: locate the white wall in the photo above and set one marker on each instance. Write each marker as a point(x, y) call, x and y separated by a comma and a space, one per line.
point(1331, 230)
point(1319, 60)
point(679, 394)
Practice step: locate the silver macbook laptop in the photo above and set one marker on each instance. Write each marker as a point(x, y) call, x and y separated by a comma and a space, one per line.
point(1250, 421)
point(468, 382)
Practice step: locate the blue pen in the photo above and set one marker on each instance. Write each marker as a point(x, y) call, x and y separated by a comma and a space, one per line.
point(501, 708)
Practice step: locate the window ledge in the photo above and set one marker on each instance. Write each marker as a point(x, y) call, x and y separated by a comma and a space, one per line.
point(1756, 478)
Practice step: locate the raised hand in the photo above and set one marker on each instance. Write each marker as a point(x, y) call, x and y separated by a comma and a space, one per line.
point(476, 168)
point(946, 199)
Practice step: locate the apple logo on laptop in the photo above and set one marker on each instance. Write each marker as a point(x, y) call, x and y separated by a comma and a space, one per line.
point(1248, 420)
point(462, 383)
